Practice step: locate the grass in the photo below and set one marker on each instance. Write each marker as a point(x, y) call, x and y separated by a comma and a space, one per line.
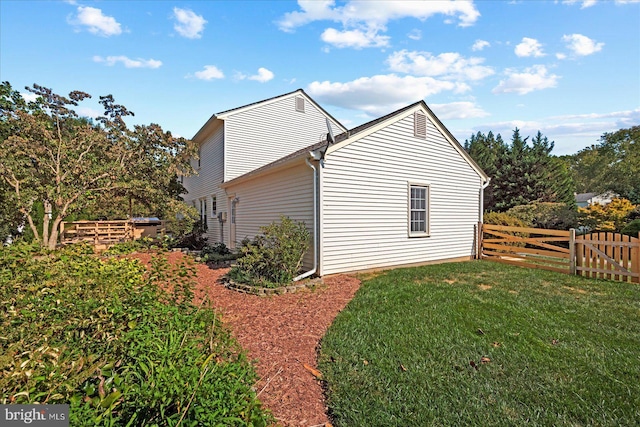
point(557, 349)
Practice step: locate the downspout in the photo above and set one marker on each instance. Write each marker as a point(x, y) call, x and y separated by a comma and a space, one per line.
point(315, 224)
point(485, 185)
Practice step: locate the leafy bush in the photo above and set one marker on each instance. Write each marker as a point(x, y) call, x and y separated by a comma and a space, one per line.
point(120, 345)
point(634, 214)
point(275, 257)
point(192, 240)
point(611, 217)
point(547, 215)
point(632, 229)
point(125, 248)
point(216, 253)
point(503, 218)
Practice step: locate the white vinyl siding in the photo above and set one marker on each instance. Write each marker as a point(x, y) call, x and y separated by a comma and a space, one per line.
point(261, 135)
point(205, 184)
point(364, 200)
point(262, 200)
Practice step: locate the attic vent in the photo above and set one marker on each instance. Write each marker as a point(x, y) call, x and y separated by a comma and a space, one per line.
point(420, 124)
point(300, 104)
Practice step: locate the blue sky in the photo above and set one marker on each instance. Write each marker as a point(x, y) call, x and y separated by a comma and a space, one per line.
point(568, 68)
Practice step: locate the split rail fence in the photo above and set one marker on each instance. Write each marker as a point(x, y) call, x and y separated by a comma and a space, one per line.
point(603, 255)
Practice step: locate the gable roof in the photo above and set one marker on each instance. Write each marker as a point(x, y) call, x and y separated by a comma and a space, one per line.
point(358, 132)
point(227, 113)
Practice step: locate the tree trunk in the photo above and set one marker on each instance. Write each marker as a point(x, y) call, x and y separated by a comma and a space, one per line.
point(45, 223)
point(55, 231)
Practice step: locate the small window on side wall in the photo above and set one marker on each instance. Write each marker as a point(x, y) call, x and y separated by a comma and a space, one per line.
point(214, 206)
point(418, 210)
point(420, 124)
point(300, 104)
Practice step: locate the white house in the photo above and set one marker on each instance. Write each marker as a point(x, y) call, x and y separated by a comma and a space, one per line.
point(585, 199)
point(398, 190)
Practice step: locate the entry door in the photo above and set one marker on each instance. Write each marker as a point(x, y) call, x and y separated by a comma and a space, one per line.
point(232, 224)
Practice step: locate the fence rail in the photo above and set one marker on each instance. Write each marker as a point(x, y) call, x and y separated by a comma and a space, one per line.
point(102, 234)
point(610, 256)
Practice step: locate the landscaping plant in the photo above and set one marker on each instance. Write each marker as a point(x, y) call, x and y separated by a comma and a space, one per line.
point(120, 345)
point(274, 257)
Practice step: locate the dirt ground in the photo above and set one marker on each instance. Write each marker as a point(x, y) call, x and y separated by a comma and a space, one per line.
point(281, 335)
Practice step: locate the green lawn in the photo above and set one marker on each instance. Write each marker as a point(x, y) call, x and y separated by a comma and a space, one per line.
point(559, 349)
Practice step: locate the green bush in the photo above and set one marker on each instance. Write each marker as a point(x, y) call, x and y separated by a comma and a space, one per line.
point(547, 215)
point(120, 345)
point(503, 218)
point(274, 258)
point(632, 229)
point(217, 252)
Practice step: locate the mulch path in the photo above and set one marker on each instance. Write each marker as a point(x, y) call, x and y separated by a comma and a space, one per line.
point(280, 334)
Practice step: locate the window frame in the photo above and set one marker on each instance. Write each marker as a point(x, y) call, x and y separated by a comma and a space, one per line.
point(214, 206)
point(426, 210)
point(203, 214)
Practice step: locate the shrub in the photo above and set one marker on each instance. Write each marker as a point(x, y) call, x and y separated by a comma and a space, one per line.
point(119, 345)
point(274, 257)
point(503, 218)
point(611, 217)
point(632, 229)
point(216, 253)
point(547, 215)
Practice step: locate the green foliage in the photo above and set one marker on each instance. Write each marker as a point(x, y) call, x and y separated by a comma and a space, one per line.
point(217, 252)
point(505, 218)
point(70, 164)
point(611, 217)
point(129, 247)
point(274, 258)
point(632, 228)
point(180, 218)
point(558, 350)
point(611, 165)
point(521, 173)
point(120, 345)
point(547, 215)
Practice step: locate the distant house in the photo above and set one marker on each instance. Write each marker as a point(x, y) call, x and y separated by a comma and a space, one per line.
point(398, 190)
point(585, 199)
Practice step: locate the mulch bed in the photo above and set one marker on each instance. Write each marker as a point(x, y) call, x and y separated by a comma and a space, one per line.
point(281, 333)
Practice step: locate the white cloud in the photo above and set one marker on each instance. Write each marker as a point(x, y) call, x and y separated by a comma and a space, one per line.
point(415, 34)
point(263, 75)
point(89, 112)
point(28, 96)
point(449, 65)
point(533, 78)
point(380, 94)
point(583, 3)
point(529, 47)
point(480, 45)
point(581, 45)
point(588, 3)
point(189, 25)
point(354, 38)
point(128, 62)
point(210, 72)
point(561, 56)
point(366, 19)
point(458, 110)
point(571, 132)
point(96, 22)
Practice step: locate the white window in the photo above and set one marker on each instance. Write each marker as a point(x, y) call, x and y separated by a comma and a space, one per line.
point(420, 124)
point(203, 213)
point(300, 104)
point(418, 210)
point(214, 207)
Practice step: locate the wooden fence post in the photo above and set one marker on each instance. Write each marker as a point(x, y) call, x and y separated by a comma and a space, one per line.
point(635, 262)
point(572, 251)
point(479, 241)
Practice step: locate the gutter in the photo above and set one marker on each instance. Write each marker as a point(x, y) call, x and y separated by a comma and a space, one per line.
point(316, 254)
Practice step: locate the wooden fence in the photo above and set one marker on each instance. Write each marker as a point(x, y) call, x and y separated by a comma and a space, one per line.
point(102, 234)
point(610, 256)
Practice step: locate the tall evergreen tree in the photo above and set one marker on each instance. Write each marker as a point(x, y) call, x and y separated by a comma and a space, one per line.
point(521, 172)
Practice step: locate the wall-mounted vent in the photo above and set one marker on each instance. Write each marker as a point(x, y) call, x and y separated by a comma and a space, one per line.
point(420, 124)
point(300, 104)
